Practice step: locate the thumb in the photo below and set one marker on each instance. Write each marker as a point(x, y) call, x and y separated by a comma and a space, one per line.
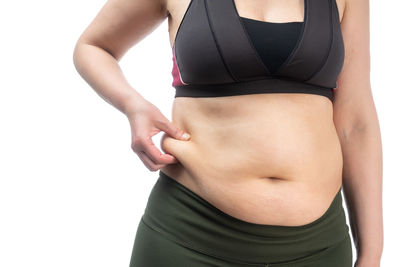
point(174, 131)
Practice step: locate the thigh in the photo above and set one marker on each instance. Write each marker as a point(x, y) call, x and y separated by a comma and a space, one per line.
point(153, 249)
point(339, 255)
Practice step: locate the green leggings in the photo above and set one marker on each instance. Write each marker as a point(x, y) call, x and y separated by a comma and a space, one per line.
point(181, 229)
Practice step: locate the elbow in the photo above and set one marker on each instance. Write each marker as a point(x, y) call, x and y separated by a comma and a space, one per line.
point(82, 47)
point(356, 122)
point(80, 51)
point(80, 55)
point(353, 129)
point(358, 128)
point(76, 54)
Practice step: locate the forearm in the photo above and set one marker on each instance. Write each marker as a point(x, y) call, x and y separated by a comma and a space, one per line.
point(103, 73)
point(362, 186)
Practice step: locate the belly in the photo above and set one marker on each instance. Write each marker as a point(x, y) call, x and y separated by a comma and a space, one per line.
point(262, 158)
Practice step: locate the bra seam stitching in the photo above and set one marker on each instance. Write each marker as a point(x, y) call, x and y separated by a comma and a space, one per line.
point(299, 42)
point(250, 41)
point(336, 11)
point(326, 57)
point(175, 42)
point(339, 27)
point(183, 20)
point(217, 44)
point(177, 66)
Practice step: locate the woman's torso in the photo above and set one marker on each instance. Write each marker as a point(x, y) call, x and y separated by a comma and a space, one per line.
point(263, 158)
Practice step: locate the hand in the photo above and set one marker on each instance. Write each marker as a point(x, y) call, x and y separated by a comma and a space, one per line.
point(146, 121)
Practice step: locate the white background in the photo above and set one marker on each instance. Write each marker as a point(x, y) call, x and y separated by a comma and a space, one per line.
point(71, 189)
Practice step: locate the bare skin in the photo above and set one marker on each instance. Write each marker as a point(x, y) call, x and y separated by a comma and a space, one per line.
point(280, 160)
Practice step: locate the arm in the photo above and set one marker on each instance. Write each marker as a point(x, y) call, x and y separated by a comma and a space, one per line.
point(118, 26)
point(357, 126)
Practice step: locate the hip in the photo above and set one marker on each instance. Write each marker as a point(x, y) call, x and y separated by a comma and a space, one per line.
point(198, 232)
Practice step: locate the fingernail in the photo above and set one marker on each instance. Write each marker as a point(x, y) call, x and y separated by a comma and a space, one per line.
point(186, 135)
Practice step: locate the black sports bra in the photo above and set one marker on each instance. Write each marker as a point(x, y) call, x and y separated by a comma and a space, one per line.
point(218, 53)
point(275, 46)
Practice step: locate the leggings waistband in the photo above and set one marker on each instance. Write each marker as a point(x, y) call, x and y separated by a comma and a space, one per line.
point(185, 217)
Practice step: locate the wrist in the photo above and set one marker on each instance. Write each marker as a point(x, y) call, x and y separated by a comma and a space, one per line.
point(133, 104)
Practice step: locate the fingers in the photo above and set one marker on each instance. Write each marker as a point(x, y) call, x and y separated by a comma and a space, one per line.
point(144, 126)
point(172, 130)
point(152, 155)
point(148, 162)
point(156, 155)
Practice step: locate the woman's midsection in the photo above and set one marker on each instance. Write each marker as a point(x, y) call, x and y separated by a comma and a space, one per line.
point(262, 158)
